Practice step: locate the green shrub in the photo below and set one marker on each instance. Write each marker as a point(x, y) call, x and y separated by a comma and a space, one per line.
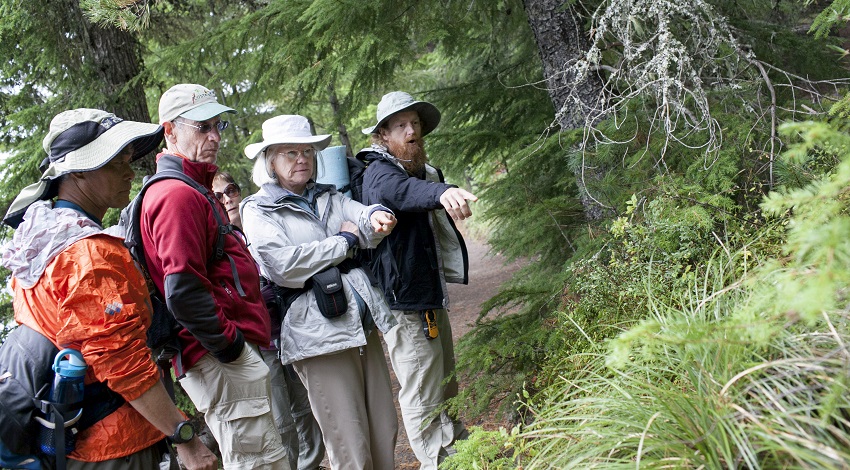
point(741, 363)
point(484, 450)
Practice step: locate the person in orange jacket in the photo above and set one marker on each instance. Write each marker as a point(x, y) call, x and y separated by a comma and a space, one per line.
point(77, 284)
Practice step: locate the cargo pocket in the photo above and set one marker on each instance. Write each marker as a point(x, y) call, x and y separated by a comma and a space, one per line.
point(249, 423)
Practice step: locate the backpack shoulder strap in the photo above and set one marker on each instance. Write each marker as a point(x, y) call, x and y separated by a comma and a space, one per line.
point(356, 167)
point(133, 240)
point(131, 218)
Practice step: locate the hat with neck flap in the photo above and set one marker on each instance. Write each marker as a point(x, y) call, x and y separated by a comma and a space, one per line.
point(81, 140)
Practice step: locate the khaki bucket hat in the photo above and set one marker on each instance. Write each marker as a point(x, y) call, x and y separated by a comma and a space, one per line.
point(82, 140)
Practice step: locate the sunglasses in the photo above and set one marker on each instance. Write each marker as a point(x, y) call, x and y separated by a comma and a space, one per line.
point(206, 128)
point(231, 190)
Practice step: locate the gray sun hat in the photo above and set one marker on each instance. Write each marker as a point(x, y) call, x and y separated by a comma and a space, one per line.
point(190, 101)
point(81, 140)
point(398, 101)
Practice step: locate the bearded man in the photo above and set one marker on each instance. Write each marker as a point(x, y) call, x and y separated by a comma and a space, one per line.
point(413, 265)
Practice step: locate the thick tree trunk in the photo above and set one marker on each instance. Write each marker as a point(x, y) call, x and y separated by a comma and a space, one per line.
point(115, 57)
point(561, 40)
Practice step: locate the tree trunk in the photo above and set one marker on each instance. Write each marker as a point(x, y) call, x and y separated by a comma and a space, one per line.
point(115, 57)
point(343, 131)
point(561, 40)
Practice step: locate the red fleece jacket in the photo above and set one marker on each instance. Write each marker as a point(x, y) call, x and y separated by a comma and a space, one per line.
point(179, 232)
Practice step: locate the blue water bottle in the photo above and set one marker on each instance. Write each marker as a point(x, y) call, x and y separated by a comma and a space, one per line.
point(67, 392)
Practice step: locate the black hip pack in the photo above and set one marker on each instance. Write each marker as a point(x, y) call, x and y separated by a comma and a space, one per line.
point(330, 296)
point(327, 287)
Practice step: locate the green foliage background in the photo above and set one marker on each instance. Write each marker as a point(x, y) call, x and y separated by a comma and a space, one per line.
point(627, 332)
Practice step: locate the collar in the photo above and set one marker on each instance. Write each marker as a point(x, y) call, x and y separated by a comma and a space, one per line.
point(199, 171)
point(278, 192)
point(306, 201)
point(64, 204)
point(379, 152)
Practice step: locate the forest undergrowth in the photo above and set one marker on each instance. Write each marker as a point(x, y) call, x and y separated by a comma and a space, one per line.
point(687, 333)
point(685, 302)
point(702, 323)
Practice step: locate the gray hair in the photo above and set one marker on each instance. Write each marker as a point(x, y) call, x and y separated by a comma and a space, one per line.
point(262, 172)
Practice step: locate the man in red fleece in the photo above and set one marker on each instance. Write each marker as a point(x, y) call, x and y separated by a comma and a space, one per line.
point(215, 298)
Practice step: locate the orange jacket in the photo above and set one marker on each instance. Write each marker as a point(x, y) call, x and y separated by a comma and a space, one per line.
point(92, 298)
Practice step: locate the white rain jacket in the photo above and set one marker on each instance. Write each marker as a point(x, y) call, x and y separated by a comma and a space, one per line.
point(291, 244)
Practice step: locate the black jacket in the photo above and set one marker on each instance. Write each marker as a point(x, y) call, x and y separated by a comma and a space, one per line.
point(407, 263)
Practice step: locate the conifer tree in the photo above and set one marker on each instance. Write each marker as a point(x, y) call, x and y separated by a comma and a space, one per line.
point(58, 60)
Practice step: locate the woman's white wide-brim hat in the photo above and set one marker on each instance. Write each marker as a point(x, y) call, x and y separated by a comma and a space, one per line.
point(398, 101)
point(287, 129)
point(114, 134)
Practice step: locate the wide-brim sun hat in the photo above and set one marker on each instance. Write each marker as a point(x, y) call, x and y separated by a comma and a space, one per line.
point(398, 101)
point(190, 101)
point(81, 140)
point(287, 129)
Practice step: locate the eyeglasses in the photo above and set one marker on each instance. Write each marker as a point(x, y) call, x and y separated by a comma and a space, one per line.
point(206, 128)
point(231, 190)
point(308, 152)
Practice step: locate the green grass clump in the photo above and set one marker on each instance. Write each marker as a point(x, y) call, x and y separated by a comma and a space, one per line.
point(710, 385)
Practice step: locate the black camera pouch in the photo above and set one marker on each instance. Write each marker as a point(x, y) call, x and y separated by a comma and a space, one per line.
point(330, 296)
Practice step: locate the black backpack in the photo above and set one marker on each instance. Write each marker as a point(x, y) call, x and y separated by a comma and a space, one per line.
point(26, 376)
point(163, 333)
point(356, 168)
point(25, 379)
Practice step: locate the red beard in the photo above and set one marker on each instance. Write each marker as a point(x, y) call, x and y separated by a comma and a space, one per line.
point(411, 156)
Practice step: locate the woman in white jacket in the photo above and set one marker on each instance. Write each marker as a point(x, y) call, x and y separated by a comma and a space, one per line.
point(297, 229)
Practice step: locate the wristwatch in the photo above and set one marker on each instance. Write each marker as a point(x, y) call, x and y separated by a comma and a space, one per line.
point(184, 433)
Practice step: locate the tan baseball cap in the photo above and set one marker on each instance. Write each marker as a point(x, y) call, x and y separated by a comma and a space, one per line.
point(190, 101)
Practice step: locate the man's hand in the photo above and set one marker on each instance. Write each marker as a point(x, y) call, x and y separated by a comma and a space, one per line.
point(350, 227)
point(383, 222)
point(156, 407)
point(454, 200)
point(195, 456)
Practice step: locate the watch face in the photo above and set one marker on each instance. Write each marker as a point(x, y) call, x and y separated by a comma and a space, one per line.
point(186, 432)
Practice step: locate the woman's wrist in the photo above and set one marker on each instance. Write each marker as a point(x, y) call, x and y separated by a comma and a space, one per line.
point(350, 238)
